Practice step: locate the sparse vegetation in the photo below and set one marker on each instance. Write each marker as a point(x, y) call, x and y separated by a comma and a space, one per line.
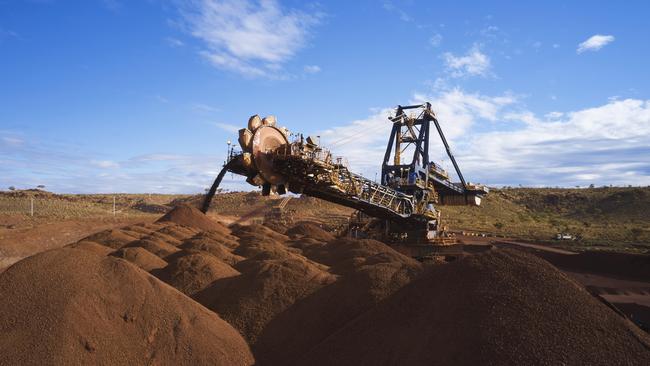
point(246, 205)
point(607, 218)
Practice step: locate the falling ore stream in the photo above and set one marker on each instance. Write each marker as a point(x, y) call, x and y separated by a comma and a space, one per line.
point(215, 185)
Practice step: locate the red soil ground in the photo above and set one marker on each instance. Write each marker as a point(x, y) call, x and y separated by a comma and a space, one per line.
point(248, 294)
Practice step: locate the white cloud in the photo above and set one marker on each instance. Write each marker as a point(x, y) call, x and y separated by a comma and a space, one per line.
point(67, 168)
point(4, 33)
point(312, 69)
point(161, 99)
point(249, 37)
point(203, 108)
point(174, 42)
point(403, 16)
point(12, 141)
point(525, 117)
point(458, 110)
point(156, 157)
point(594, 43)
point(228, 127)
point(609, 143)
point(586, 177)
point(435, 40)
point(363, 142)
point(497, 141)
point(105, 164)
point(112, 5)
point(490, 31)
point(553, 115)
point(474, 63)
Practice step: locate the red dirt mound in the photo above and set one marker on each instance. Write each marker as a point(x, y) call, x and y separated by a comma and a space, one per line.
point(306, 244)
point(309, 230)
point(276, 226)
point(159, 248)
point(261, 245)
point(158, 236)
point(501, 307)
point(345, 254)
point(229, 241)
point(91, 246)
point(263, 290)
point(192, 271)
point(252, 263)
point(145, 228)
point(216, 250)
point(189, 216)
point(255, 231)
point(258, 239)
point(311, 320)
point(140, 257)
point(113, 238)
point(71, 307)
point(179, 232)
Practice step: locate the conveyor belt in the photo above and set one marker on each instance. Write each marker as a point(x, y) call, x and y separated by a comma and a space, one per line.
point(333, 183)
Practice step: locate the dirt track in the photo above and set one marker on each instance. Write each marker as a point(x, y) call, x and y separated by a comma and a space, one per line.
point(21, 236)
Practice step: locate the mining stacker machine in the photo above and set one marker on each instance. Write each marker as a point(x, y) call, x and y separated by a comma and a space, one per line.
point(402, 206)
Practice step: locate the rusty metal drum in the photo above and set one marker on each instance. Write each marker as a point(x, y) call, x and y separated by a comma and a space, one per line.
point(269, 142)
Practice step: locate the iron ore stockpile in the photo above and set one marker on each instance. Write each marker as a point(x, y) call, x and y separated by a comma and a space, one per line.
point(187, 290)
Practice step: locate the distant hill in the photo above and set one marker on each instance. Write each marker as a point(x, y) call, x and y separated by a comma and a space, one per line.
point(245, 207)
point(613, 217)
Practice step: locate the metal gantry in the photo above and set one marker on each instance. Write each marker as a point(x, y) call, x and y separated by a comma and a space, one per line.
point(409, 189)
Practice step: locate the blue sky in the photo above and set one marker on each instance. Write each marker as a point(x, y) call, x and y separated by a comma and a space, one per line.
point(141, 96)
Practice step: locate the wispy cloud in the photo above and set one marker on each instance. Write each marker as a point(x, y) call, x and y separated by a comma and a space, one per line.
point(156, 157)
point(248, 37)
point(360, 141)
point(608, 144)
point(203, 108)
point(66, 168)
point(403, 16)
point(161, 99)
point(312, 69)
point(12, 141)
point(6, 34)
point(363, 141)
point(112, 5)
point(595, 42)
point(435, 40)
point(495, 139)
point(106, 164)
point(174, 42)
point(498, 141)
point(228, 127)
point(473, 63)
